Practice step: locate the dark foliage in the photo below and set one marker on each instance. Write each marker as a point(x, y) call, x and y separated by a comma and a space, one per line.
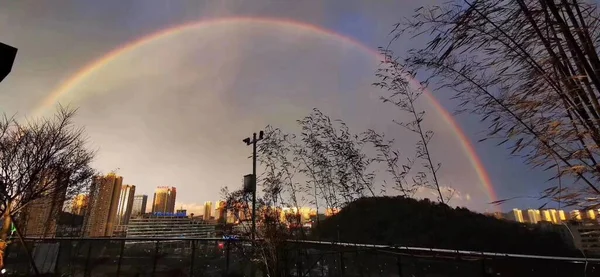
point(529, 69)
point(409, 222)
point(42, 157)
point(69, 219)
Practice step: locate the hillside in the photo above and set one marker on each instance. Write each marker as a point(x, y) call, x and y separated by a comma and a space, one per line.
point(410, 222)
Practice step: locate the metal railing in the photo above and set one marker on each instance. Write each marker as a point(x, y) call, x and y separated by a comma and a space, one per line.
point(218, 257)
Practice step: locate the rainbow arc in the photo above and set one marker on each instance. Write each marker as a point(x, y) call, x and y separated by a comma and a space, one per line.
point(86, 71)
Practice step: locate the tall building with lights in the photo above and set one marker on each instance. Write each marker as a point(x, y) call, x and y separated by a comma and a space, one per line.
point(516, 215)
point(220, 211)
point(139, 205)
point(80, 204)
point(125, 206)
point(575, 215)
point(591, 214)
point(103, 205)
point(164, 200)
point(207, 210)
point(534, 216)
point(562, 216)
point(554, 216)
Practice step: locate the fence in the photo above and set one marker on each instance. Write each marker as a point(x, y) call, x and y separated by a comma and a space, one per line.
point(217, 257)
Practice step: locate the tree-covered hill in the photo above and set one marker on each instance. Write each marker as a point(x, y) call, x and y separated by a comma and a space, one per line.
point(409, 222)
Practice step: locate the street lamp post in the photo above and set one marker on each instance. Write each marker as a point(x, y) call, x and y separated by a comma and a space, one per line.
point(252, 185)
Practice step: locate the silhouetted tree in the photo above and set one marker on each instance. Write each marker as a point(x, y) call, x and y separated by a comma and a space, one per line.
point(325, 166)
point(528, 68)
point(390, 157)
point(40, 158)
point(334, 161)
point(394, 78)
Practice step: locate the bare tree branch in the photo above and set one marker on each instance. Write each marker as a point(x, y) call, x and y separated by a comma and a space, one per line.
point(529, 69)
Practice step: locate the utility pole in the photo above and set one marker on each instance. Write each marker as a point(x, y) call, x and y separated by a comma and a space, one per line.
point(250, 180)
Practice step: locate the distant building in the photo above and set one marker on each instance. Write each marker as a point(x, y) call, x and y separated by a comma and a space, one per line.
point(576, 215)
point(220, 211)
point(591, 214)
point(139, 205)
point(103, 205)
point(298, 215)
point(80, 204)
point(516, 215)
point(124, 208)
point(231, 218)
point(207, 210)
point(563, 216)
point(534, 216)
point(41, 214)
point(553, 216)
point(170, 226)
point(243, 212)
point(181, 211)
point(331, 211)
point(164, 200)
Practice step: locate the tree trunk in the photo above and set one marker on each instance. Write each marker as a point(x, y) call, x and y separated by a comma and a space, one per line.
point(4, 235)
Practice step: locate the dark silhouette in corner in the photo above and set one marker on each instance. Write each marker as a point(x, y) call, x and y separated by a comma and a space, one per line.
point(7, 58)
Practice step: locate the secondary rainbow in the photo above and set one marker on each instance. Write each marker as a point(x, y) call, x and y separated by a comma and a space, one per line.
point(80, 76)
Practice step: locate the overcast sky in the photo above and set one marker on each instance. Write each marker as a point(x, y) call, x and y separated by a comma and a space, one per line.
point(173, 111)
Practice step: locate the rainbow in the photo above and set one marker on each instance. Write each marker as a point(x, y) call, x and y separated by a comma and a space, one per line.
point(81, 75)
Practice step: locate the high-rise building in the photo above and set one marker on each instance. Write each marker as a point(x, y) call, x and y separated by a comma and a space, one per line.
point(220, 210)
point(516, 215)
point(591, 214)
point(80, 204)
point(575, 215)
point(534, 216)
point(103, 205)
point(41, 214)
point(554, 216)
point(164, 200)
point(139, 205)
point(207, 210)
point(125, 206)
point(562, 216)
